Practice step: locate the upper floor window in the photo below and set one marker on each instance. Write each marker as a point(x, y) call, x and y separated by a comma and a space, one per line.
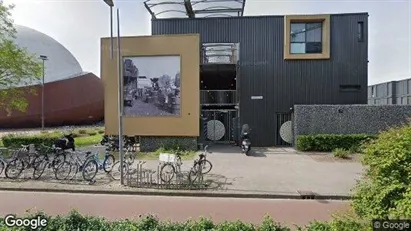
point(306, 38)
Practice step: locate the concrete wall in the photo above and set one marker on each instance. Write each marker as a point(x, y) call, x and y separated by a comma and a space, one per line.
point(347, 119)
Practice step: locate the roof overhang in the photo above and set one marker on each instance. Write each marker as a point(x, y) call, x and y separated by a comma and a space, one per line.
point(194, 8)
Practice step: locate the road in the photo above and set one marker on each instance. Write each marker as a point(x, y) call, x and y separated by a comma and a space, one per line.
point(140, 108)
point(115, 207)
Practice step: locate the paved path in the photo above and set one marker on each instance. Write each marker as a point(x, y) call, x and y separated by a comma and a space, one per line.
point(113, 207)
point(281, 172)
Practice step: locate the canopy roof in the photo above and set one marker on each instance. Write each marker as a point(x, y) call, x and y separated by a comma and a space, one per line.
point(194, 8)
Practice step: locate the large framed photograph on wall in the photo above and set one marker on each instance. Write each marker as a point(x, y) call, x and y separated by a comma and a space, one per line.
point(152, 86)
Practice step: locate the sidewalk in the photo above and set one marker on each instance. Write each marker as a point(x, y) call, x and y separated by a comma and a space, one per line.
point(270, 173)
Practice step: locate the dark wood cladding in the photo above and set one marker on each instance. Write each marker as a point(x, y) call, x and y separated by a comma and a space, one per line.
point(283, 83)
point(74, 101)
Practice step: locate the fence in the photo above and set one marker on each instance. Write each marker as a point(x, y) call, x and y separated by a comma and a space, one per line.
point(145, 177)
point(284, 131)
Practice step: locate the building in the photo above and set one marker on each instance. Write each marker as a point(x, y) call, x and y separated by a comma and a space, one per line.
point(279, 61)
point(393, 92)
point(237, 70)
point(71, 96)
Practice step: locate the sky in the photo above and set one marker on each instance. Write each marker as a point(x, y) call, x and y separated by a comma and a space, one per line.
point(79, 25)
point(169, 65)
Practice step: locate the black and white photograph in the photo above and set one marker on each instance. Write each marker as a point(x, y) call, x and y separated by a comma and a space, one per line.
point(151, 86)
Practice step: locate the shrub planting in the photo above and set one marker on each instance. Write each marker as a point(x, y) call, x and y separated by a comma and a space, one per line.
point(329, 142)
point(18, 140)
point(76, 221)
point(341, 153)
point(385, 191)
point(82, 137)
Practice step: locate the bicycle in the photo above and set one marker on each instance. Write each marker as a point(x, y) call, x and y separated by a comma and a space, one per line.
point(169, 169)
point(206, 165)
point(200, 167)
point(116, 170)
point(78, 165)
point(3, 162)
point(44, 161)
point(129, 158)
point(107, 163)
point(22, 159)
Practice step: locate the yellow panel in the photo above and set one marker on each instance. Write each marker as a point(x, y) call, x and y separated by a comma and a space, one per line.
point(185, 123)
point(324, 18)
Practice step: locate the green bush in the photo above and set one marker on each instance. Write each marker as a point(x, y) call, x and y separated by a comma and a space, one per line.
point(75, 221)
point(100, 131)
point(82, 131)
point(329, 142)
point(18, 140)
point(341, 153)
point(385, 190)
point(91, 133)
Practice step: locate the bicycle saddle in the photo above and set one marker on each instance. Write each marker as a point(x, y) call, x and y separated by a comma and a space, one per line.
point(88, 153)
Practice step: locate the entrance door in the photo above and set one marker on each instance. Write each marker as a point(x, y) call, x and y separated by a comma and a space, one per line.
point(219, 125)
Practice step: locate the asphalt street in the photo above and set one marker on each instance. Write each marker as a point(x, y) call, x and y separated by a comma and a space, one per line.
point(115, 207)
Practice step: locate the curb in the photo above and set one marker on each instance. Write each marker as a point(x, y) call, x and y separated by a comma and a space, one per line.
point(181, 194)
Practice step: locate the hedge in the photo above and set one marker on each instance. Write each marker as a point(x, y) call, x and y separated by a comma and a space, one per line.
point(76, 221)
point(329, 142)
point(18, 140)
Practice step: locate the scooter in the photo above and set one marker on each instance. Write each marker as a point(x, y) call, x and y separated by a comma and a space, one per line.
point(65, 143)
point(245, 139)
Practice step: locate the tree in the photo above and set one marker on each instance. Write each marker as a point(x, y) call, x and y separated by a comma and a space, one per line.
point(17, 66)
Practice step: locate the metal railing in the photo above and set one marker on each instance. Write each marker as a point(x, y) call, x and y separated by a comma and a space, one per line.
point(222, 53)
point(144, 177)
point(218, 97)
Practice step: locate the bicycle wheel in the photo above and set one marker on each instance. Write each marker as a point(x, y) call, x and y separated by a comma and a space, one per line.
point(2, 166)
point(14, 169)
point(38, 160)
point(108, 163)
point(74, 167)
point(58, 159)
point(195, 176)
point(90, 169)
point(167, 172)
point(39, 169)
point(62, 171)
point(206, 166)
point(116, 171)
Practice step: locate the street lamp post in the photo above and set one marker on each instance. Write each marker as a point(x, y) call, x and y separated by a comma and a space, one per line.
point(43, 58)
point(120, 85)
point(120, 100)
point(111, 4)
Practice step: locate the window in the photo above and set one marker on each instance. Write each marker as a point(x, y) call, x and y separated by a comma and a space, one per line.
point(360, 31)
point(373, 91)
point(307, 37)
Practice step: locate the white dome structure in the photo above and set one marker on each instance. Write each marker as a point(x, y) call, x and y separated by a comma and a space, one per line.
point(61, 64)
point(69, 95)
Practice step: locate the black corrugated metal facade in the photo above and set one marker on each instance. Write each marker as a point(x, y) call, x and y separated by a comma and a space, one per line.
point(283, 83)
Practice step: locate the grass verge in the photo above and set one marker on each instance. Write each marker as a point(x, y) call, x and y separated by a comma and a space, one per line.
point(84, 141)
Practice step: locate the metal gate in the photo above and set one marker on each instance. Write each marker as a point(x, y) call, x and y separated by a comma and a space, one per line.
point(284, 129)
point(219, 126)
